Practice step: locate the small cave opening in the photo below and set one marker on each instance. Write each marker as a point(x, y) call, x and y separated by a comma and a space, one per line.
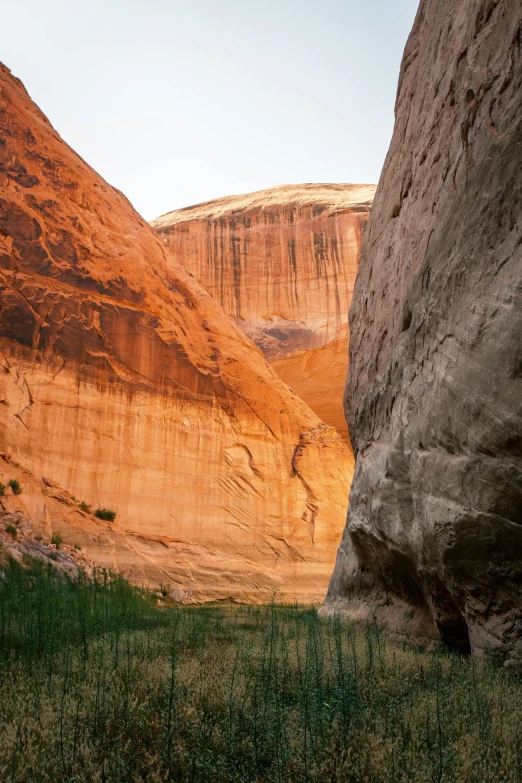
point(450, 622)
point(454, 634)
point(398, 573)
point(436, 599)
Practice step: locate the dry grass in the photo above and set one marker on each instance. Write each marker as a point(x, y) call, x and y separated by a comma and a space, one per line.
point(107, 687)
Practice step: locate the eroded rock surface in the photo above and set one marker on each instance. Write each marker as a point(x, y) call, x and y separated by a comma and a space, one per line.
point(434, 391)
point(124, 381)
point(282, 263)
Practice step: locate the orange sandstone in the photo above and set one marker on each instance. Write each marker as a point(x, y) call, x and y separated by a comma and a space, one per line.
point(282, 263)
point(123, 380)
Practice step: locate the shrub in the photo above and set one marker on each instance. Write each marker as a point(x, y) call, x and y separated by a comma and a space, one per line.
point(78, 547)
point(164, 589)
point(85, 507)
point(16, 486)
point(11, 530)
point(2, 488)
point(106, 514)
point(57, 540)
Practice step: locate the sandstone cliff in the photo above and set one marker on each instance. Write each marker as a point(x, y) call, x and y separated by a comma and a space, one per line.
point(282, 263)
point(124, 381)
point(435, 389)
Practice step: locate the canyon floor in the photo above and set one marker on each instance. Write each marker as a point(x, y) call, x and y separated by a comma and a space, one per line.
point(97, 683)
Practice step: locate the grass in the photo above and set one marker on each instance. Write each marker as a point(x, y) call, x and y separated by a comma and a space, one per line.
point(98, 683)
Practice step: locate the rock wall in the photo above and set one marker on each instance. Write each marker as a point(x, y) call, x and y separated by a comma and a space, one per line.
point(282, 263)
point(124, 381)
point(434, 391)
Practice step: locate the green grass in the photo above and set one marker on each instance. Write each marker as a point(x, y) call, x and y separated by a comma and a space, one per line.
point(97, 683)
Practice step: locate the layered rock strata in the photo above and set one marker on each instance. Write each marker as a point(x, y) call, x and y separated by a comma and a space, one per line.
point(434, 391)
point(282, 263)
point(124, 381)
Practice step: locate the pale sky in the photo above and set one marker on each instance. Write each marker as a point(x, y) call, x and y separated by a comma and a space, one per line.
point(175, 102)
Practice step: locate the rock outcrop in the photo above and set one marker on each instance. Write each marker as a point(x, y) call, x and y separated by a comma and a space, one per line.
point(434, 391)
point(124, 381)
point(282, 263)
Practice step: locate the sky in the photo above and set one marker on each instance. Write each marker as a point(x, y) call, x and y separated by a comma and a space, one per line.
point(175, 102)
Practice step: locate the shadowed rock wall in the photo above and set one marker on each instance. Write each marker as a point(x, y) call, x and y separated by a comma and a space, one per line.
point(434, 391)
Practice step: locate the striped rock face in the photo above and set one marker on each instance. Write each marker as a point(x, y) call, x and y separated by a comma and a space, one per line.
point(125, 382)
point(282, 263)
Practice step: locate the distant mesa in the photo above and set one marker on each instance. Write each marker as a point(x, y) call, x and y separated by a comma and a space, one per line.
point(282, 263)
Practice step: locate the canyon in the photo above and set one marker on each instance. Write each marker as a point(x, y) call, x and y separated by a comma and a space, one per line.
point(189, 374)
point(434, 532)
point(125, 385)
point(282, 263)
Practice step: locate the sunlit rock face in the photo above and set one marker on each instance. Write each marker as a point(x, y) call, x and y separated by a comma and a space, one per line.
point(124, 381)
point(282, 263)
point(435, 385)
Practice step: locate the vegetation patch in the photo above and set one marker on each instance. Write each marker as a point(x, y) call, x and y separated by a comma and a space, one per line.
point(98, 683)
point(57, 540)
point(105, 513)
point(15, 486)
point(164, 589)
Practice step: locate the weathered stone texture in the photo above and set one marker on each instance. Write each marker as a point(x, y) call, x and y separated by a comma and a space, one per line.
point(282, 263)
point(434, 392)
point(122, 379)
